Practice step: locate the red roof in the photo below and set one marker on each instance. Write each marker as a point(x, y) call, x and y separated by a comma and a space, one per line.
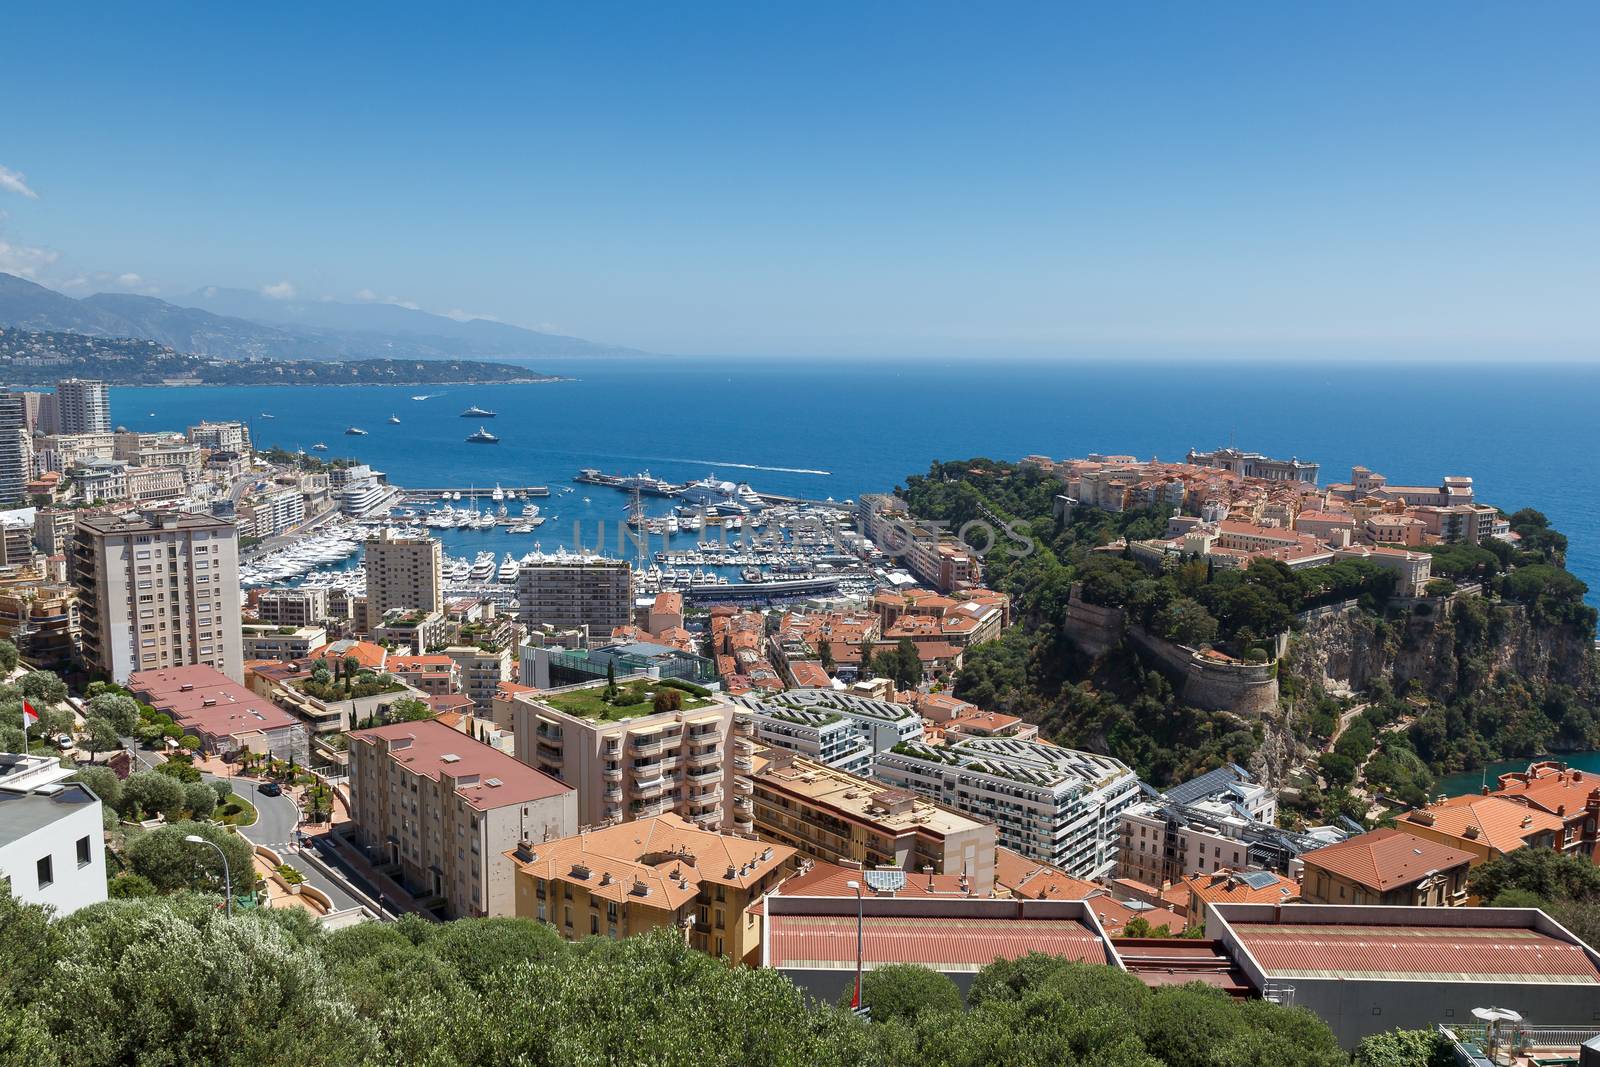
point(1459, 953)
point(203, 698)
point(427, 750)
point(831, 880)
point(828, 942)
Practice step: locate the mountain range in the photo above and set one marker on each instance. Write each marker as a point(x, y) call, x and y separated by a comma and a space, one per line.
point(239, 324)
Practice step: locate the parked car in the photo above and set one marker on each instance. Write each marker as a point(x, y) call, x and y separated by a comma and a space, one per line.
point(64, 742)
point(270, 789)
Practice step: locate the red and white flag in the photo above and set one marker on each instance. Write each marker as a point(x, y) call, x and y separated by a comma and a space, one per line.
point(29, 716)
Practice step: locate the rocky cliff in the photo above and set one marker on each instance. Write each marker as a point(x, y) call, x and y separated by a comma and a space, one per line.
point(1450, 649)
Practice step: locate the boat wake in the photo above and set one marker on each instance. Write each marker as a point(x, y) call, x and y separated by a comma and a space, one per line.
point(754, 467)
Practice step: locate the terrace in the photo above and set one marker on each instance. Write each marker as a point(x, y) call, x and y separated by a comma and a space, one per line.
point(632, 700)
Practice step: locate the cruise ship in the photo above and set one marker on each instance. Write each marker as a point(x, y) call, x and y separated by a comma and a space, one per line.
point(475, 412)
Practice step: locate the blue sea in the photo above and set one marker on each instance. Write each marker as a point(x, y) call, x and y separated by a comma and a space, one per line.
point(1526, 433)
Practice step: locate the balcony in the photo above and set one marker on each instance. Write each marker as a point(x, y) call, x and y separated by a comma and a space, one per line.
point(743, 763)
point(650, 810)
point(706, 818)
point(743, 825)
point(700, 800)
point(648, 744)
point(704, 774)
point(613, 792)
point(741, 803)
point(743, 785)
point(611, 774)
point(650, 786)
point(743, 728)
point(705, 758)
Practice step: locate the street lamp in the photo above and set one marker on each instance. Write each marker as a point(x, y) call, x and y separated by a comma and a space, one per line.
point(860, 940)
point(227, 876)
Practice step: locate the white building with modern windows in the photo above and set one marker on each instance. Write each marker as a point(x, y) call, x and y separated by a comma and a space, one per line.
point(52, 849)
point(1056, 805)
point(841, 730)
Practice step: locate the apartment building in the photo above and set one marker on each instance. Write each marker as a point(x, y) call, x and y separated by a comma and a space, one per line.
point(39, 615)
point(481, 671)
point(629, 761)
point(292, 607)
point(935, 559)
point(159, 450)
point(575, 589)
point(278, 509)
point(1056, 805)
point(403, 571)
point(157, 589)
point(52, 844)
point(281, 642)
point(1387, 866)
point(16, 450)
point(415, 629)
point(83, 406)
point(835, 817)
point(840, 730)
point(1235, 887)
point(435, 675)
point(442, 810)
point(656, 873)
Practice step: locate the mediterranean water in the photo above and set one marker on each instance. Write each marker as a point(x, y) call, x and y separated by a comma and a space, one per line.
point(1526, 433)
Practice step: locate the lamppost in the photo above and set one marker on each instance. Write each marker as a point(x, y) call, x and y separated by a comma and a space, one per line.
point(860, 941)
point(227, 876)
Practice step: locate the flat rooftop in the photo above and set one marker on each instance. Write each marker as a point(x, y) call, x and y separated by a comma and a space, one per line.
point(486, 777)
point(207, 699)
point(25, 812)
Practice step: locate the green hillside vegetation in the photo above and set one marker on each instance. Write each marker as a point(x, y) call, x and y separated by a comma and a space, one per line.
point(1119, 706)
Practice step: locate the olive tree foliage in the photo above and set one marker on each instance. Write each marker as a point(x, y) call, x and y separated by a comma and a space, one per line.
point(172, 863)
point(120, 710)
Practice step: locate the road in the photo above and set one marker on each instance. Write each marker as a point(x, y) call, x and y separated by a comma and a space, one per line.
point(276, 819)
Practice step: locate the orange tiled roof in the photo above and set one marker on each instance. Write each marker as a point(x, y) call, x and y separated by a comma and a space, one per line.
point(1227, 887)
point(1386, 859)
point(1503, 825)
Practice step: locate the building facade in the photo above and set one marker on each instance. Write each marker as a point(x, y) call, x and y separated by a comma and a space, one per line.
point(443, 810)
point(572, 589)
point(157, 589)
point(83, 406)
point(403, 571)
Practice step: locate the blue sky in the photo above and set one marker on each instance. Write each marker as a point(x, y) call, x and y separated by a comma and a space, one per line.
point(1316, 181)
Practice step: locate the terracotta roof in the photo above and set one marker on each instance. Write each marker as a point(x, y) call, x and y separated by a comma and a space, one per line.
point(205, 699)
point(1114, 916)
point(1503, 825)
point(1386, 859)
point(1456, 953)
point(1551, 788)
point(828, 942)
point(665, 854)
point(494, 779)
point(442, 702)
point(1233, 887)
point(830, 880)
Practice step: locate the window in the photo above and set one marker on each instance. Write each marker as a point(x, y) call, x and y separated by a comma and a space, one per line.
point(46, 872)
point(85, 854)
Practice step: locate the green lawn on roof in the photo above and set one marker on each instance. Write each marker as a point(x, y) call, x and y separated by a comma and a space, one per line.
point(633, 700)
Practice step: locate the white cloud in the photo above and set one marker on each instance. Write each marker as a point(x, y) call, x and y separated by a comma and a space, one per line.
point(15, 182)
point(279, 291)
point(373, 297)
point(25, 261)
point(366, 294)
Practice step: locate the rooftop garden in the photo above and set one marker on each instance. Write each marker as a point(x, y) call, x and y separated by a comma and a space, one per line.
point(347, 682)
point(615, 702)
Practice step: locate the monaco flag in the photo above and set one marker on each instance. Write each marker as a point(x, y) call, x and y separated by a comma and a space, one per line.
point(29, 716)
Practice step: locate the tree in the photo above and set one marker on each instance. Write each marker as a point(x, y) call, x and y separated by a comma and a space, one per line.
point(103, 782)
point(148, 793)
point(1401, 1048)
point(200, 799)
point(610, 693)
point(126, 886)
point(825, 656)
point(867, 668)
point(172, 863)
point(42, 688)
point(8, 657)
point(902, 991)
point(101, 735)
point(668, 699)
point(120, 710)
point(1544, 872)
point(409, 709)
point(905, 666)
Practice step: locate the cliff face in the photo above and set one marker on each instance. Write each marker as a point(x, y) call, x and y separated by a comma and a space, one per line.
point(1448, 652)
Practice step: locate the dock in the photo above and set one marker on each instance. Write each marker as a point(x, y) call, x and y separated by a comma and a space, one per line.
point(478, 492)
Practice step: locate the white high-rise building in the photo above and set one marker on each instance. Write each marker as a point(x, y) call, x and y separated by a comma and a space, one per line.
point(16, 450)
point(156, 590)
point(83, 406)
point(1056, 805)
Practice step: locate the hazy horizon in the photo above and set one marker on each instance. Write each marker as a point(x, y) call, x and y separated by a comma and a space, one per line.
point(1319, 185)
